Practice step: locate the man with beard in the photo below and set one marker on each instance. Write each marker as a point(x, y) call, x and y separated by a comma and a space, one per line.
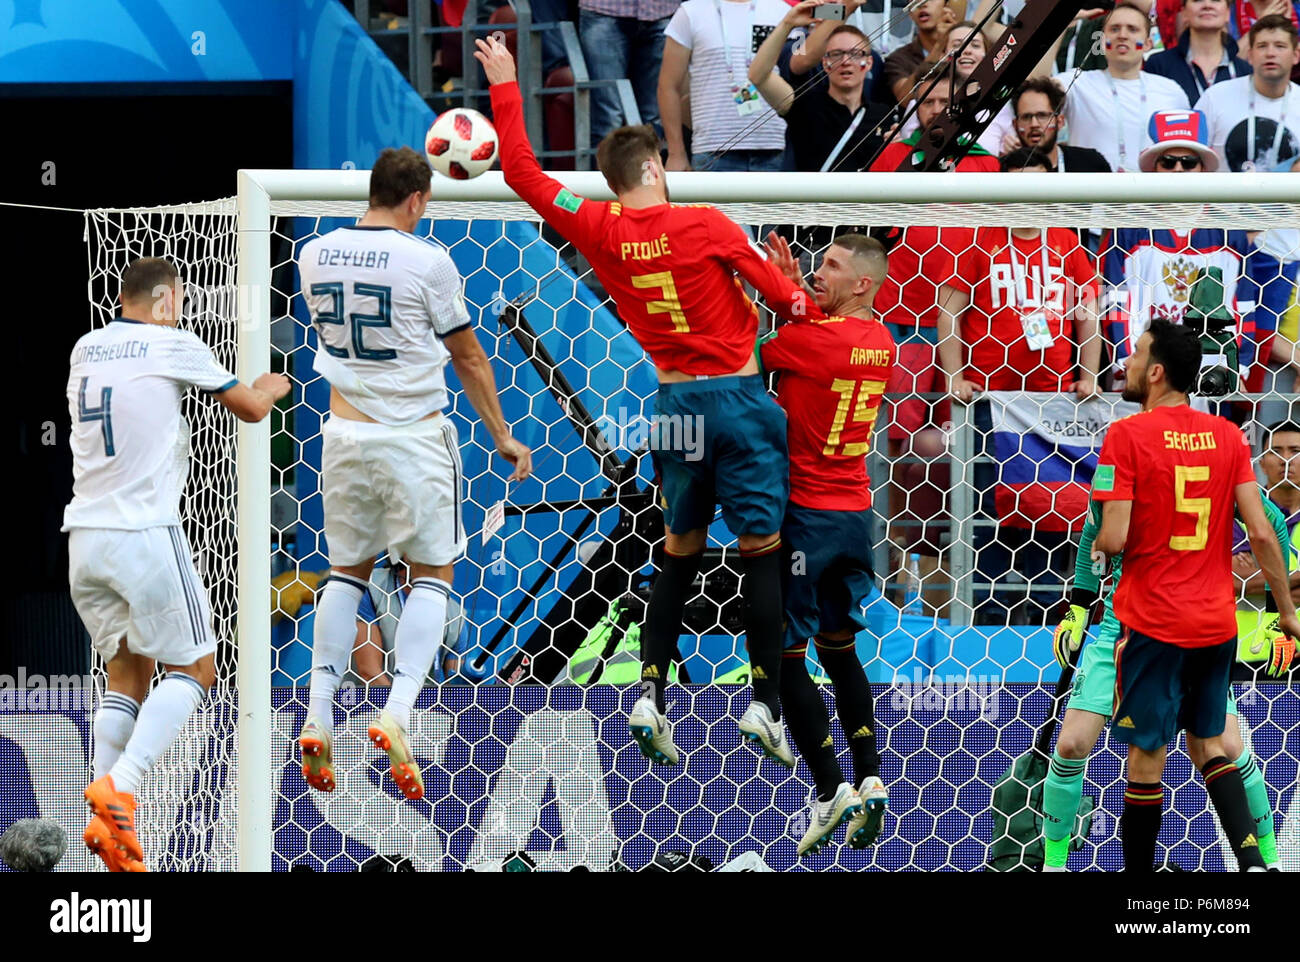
point(1168, 479)
point(1038, 105)
point(671, 270)
point(833, 372)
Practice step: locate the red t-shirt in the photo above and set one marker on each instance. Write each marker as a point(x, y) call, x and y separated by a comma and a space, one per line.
point(1180, 468)
point(833, 375)
point(671, 269)
point(923, 259)
point(1049, 274)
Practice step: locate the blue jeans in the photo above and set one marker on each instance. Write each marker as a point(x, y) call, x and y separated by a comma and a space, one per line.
point(551, 11)
point(619, 47)
point(734, 161)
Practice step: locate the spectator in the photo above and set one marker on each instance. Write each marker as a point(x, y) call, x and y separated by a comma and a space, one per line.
point(803, 51)
point(999, 135)
point(1280, 461)
point(713, 43)
point(1205, 54)
point(908, 300)
point(831, 124)
point(1108, 109)
point(1149, 273)
point(1246, 13)
point(1037, 106)
point(1078, 48)
point(1018, 313)
point(1252, 120)
point(623, 38)
point(903, 63)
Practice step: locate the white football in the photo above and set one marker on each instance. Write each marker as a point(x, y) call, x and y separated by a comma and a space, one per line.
point(461, 144)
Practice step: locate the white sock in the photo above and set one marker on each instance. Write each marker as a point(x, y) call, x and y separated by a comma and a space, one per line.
point(162, 716)
point(419, 636)
point(113, 724)
point(334, 635)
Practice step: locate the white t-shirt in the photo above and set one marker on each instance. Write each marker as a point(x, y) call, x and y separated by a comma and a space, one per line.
point(714, 72)
point(380, 300)
point(130, 444)
point(1276, 120)
point(1112, 116)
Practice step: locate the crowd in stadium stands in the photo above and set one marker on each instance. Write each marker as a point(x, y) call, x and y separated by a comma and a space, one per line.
point(1159, 86)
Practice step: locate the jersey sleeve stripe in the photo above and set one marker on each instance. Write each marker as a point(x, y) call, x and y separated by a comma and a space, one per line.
point(454, 330)
point(225, 387)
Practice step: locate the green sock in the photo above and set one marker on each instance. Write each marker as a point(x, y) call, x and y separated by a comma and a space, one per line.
point(1062, 792)
point(1260, 810)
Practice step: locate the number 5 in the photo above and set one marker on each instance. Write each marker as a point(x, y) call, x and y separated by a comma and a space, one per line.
point(1183, 475)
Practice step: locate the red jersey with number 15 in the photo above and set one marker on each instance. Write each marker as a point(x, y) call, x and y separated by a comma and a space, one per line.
point(1180, 469)
point(833, 376)
point(671, 269)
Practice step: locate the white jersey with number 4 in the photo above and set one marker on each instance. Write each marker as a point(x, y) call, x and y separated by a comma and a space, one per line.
point(130, 443)
point(380, 300)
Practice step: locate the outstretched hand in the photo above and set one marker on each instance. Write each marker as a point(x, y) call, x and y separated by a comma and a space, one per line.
point(778, 250)
point(497, 63)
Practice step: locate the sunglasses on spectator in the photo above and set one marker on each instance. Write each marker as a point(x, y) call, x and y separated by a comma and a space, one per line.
point(1186, 161)
point(1040, 119)
point(833, 58)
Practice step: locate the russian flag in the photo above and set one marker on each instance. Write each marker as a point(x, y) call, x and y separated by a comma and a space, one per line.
point(1046, 448)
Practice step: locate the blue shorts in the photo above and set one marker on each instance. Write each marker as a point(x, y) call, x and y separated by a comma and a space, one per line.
point(721, 441)
point(1161, 688)
point(828, 573)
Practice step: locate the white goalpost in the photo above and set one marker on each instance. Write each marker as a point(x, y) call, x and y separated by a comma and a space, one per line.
point(236, 802)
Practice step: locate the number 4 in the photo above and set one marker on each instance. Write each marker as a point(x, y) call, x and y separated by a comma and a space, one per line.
point(102, 414)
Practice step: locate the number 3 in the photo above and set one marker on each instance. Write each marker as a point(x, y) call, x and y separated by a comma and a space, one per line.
point(1184, 474)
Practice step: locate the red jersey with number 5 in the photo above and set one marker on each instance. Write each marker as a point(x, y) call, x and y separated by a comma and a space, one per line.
point(671, 269)
point(1180, 468)
point(833, 374)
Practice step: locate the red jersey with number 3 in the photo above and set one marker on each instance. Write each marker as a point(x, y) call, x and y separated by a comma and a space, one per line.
point(833, 375)
point(1180, 468)
point(671, 268)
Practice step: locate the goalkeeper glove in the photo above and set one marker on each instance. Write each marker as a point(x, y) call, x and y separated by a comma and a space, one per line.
point(1281, 655)
point(1069, 634)
point(1270, 646)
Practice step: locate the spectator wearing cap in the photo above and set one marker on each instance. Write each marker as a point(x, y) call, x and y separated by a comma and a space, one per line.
point(711, 43)
point(623, 38)
point(1149, 273)
point(831, 124)
point(1108, 109)
point(1037, 105)
point(1253, 120)
point(1205, 54)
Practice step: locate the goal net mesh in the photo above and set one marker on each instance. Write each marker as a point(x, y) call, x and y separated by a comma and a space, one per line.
point(525, 748)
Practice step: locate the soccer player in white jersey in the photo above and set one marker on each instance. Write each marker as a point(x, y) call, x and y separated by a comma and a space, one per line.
point(129, 565)
point(389, 313)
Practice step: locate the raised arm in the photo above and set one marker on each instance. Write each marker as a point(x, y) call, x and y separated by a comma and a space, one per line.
point(546, 195)
point(762, 71)
point(809, 53)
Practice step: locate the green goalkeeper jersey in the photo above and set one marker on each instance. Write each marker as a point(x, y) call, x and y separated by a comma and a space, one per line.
point(1089, 579)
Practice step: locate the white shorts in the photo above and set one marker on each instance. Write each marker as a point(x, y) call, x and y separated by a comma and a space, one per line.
point(394, 489)
point(140, 585)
